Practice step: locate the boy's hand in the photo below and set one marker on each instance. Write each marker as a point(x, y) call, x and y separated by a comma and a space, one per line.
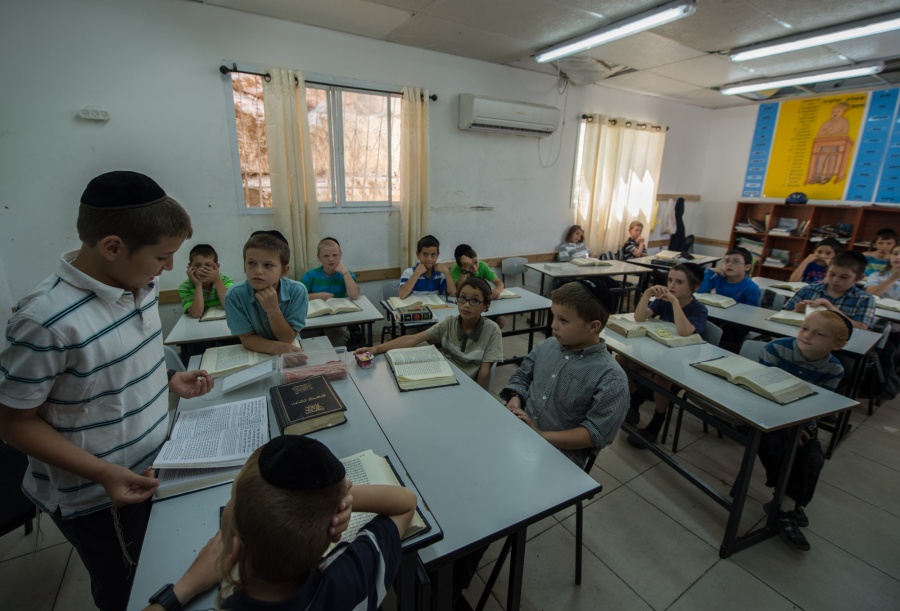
point(495, 294)
point(212, 275)
point(190, 384)
point(809, 259)
point(296, 359)
point(467, 263)
point(821, 302)
point(341, 269)
point(718, 271)
point(640, 240)
point(658, 291)
point(125, 487)
point(341, 519)
point(268, 299)
point(444, 268)
point(365, 349)
point(203, 573)
point(520, 414)
point(420, 270)
point(291, 349)
point(192, 276)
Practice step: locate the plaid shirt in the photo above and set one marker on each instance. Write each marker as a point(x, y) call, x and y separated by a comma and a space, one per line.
point(856, 304)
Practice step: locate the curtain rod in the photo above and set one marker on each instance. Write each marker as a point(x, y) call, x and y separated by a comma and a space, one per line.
point(268, 77)
point(628, 123)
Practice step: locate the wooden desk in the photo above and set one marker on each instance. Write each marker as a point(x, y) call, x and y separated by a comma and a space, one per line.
point(486, 475)
point(180, 526)
point(572, 271)
point(190, 330)
point(759, 414)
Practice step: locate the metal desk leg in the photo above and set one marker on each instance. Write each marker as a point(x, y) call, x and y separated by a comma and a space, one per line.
point(442, 588)
point(740, 494)
point(405, 585)
point(516, 568)
point(369, 334)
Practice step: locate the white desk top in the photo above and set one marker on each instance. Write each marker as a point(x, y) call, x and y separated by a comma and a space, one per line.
point(483, 471)
point(675, 364)
point(766, 283)
point(698, 259)
point(180, 526)
point(570, 270)
point(189, 329)
point(526, 302)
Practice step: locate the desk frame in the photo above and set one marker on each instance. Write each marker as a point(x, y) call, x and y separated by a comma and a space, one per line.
point(618, 268)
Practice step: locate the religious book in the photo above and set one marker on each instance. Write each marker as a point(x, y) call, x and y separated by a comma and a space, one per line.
point(417, 313)
point(335, 305)
point(213, 313)
point(225, 360)
point(432, 301)
point(626, 327)
point(217, 436)
point(770, 382)
point(662, 332)
point(508, 294)
point(790, 317)
point(789, 286)
point(668, 255)
point(175, 482)
point(888, 304)
point(420, 367)
point(715, 300)
point(589, 261)
point(307, 405)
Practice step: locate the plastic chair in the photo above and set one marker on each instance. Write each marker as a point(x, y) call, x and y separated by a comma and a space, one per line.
point(16, 510)
point(513, 266)
point(712, 334)
point(391, 289)
point(173, 361)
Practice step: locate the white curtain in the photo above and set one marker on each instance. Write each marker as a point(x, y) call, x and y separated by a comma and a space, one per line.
point(414, 185)
point(291, 167)
point(616, 178)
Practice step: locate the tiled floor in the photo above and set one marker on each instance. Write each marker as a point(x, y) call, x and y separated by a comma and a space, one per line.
point(651, 539)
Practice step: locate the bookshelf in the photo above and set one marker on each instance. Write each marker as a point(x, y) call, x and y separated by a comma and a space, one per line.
point(866, 220)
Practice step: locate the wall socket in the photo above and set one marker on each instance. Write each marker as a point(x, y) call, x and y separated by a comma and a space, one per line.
point(93, 114)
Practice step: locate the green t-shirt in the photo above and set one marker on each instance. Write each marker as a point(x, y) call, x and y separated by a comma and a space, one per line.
point(484, 271)
point(210, 297)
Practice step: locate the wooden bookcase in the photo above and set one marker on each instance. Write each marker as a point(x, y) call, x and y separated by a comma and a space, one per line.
point(866, 220)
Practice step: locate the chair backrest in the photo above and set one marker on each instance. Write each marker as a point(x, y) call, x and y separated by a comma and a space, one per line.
point(609, 255)
point(391, 289)
point(16, 508)
point(173, 361)
point(752, 348)
point(712, 334)
point(512, 266)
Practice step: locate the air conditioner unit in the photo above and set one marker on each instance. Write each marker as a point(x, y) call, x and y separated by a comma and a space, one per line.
point(506, 116)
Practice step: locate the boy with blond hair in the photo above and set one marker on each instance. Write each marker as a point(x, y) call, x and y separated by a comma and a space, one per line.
point(331, 279)
point(634, 246)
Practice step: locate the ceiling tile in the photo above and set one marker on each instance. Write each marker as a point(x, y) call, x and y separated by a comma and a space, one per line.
point(804, 15)
point(643, 50)
point(708, 98)
point(414, 6)
point(798, 61)
point(613, 9)
point(542, 21)
point(352, 16)
point(647, 82)
point(871, 47)
point(457, 39)
point(718, 25)
point(706, 71)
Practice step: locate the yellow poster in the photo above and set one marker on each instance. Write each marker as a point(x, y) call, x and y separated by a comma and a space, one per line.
point(814, 145)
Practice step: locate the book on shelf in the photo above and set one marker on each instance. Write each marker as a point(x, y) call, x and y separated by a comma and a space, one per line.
point(755, 246)
point(770, 382)
point(789, 286)
point(224, 360)
point(716, 300)
point(778, 258)
point(213, 313)
point(508, 294)
point(420, 367)
point(218, 436)
point(785, 226)
point(888, 304)
point(767, 222)
point(432, 301)
point(790, 317)
point(305, 406)
point(663, 332)
point(588, 262)
point(335, 305)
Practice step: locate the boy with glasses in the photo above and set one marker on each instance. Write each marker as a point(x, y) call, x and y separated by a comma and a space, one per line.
point(731, 278)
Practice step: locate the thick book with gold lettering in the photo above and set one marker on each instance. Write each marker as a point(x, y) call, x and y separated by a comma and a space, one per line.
point(306, 406)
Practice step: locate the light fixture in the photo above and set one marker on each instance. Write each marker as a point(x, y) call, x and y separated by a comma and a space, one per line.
point(620, 29)
point(825, 36)
point(804, 78)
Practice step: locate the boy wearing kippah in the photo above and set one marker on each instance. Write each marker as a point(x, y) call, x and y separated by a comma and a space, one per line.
point(278, 523)
point(83, 386)
point(839, 292)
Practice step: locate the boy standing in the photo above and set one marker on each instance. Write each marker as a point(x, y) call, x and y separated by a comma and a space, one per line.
point(877, 259)
point(731, 278)
point(429, 277)
point(570, 389)
point(83, 386)
point(839, 292)
point(267, 310)
point(204, 280)
point(810, 358)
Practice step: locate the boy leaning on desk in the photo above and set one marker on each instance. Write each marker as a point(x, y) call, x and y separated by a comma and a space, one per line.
point(839, 292)
point(331, 279)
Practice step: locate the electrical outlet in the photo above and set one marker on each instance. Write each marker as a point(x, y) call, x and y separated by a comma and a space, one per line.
point(93, 114)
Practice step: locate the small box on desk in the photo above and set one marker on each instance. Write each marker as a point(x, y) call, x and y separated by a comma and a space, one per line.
point(414, 314)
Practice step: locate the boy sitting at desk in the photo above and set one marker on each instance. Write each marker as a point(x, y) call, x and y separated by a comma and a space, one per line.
point(812, 269)
point(879, 257)
point(204, 280)
point(570, 389)
point(267, 310)
point(429, 277)
point(839, 292)
point(731, 278)
point(331, 279)
point(809, 357)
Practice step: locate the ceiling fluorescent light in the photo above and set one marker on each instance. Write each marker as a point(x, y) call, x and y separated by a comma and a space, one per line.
point(804, 78)
point(620, 29)
point(825, 36)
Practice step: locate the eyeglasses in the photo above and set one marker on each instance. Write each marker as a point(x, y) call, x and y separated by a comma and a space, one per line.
point(738, 261)
point(472, 302)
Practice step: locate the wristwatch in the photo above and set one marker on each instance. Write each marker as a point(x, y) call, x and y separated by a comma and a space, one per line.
point(166, 598)
point(507, 393)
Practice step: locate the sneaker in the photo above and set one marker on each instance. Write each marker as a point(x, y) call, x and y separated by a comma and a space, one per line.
point(642, 439)
point(791, 534)
point(633, 416)
point(799, 516)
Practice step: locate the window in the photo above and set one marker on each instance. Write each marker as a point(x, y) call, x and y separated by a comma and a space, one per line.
point(355, 138)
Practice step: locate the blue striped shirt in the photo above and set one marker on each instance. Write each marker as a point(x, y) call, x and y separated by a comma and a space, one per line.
point(435, 284)
point(784, 354)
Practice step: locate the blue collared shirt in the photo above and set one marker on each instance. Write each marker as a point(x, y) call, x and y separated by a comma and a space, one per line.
point(244, 314)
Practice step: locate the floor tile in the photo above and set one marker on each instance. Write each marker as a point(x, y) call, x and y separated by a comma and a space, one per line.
point(476, 587)
point(725, 586)
point(534, 530)
point(864, 479)
point(17, 543)
point(885, 418)
point(75, 589)
point(549, 573)
point(880, 446)
point(609, 484)
point(31, 582)
point(624, 462)
point(721, 458)
point(653, 554)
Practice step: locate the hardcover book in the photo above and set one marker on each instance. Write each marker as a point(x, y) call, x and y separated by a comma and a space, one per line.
point(306, 406)
point(213, 313)
point(715, 300)
point(432, 301)
point(589, 261)
point(420, 367)
point(663, 332)
point(335, 305)
point(770, 382)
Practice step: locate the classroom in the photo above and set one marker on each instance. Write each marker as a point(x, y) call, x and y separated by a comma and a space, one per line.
point(153, 66)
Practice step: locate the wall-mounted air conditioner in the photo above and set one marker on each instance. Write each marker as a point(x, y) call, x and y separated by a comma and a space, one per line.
point(506, 116)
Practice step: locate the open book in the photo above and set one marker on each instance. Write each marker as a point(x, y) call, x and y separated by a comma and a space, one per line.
point(663, 332)
point(335, 305)
point(225, 360)
point(218, 436)
point(369, 468)
point(790, 317)
point(716, 300)
point(432, 301)
point(589, 261)
point(420, 367)
point(213, 313)
point(668, 254)
point(769, 382)
point(789, 286)
point(888, 304)
point(508, 294)
point(175, 482)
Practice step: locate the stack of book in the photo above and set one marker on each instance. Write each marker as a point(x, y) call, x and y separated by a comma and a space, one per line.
point(754, 245)
point(750, 225)
point(778, 258)
point(785, 226)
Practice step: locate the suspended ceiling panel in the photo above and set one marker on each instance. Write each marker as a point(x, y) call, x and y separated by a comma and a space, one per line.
point(439, 35)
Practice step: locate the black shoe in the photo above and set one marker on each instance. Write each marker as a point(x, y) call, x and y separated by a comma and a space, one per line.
point(799, 516)
point(642, 439)
point(633, 416)
point(791, 534)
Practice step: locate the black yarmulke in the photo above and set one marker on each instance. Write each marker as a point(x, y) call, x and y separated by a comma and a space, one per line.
point(299, 463)
point(272, 232)
point(600, 292)
point(122, 189)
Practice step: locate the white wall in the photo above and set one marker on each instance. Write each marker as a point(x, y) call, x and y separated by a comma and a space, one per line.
point(153, 64)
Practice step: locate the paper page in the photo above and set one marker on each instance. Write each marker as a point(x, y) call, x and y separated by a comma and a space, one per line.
point(246, 376)
point(405, 356)
point(424, 371)
point(213, 313)
point(315, 305)
point(229, 357)
point(888, 304)
point(734, 365)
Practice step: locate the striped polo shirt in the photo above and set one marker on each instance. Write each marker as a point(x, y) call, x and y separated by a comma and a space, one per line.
point(89, 357)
